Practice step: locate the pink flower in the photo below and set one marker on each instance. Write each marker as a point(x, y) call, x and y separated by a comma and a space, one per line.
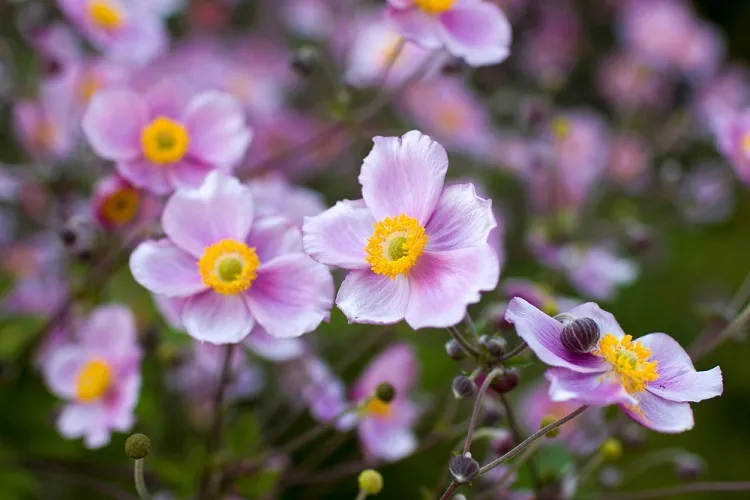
point(416, 250)
point(46, 127)
point(98, 375)
point(652, 378)
point(385, 429)
point(122, 29)
point(474, 30)
point(596, 270)
point(231, 269)
point(117, 204)
point(733, 139)
point(276, 196)
point(629, 161)
point(162, 141)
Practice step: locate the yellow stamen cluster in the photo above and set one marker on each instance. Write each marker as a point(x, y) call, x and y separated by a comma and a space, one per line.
point(164, 141)
point(629, 360)
point(435, 6)
point(561, 128)
point(451, 118)
point(121, 207)
point(89, 86)
point(229, 267)
point(746, 145)
point(395, 245)
point(105, 14)
point(93, 381)
point(378, 408)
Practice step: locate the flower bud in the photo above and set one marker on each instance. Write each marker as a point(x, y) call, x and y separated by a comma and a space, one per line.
point(137, 446)
point(463, 468)
point(506, 382)
point(611, 449)
point(580, 335)
point(502, 442)
point(689, 467)
point(454, 350)
point(460, 496)
point(492, 416)
point(632, 435)
point(495, 346)
point(546, 420)
point(305, 60)
point(370, 481)
point(385, 392)
point(610, 477)
point(464, 387)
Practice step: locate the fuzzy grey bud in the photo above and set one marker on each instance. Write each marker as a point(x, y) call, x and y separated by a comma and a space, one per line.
point(454, 350)
point(463, 468)
point(464, 387)
point(305, 60)
point(580, 335)
point(137, 446)
point(496, 346)
point(385, 392)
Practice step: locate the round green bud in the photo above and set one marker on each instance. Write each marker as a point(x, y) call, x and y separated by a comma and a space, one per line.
point(385, 392)
point(137, 446)
point(611, 449)
point(370, 481)
point(546, 420)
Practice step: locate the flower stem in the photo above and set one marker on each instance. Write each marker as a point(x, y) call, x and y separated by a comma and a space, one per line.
point(450, 491)
point(312, 433)
point(530, 440)
point(140, 483)
point(737, 323)
point(515, 351)
point(478, 406)
point(518, 437)
point(465, 345)
point(683, 489)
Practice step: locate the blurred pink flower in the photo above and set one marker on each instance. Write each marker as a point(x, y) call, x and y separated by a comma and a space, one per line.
point(630, 85)
point(732, 132)
point(629, 161)
point(428, 256)
point(275, 196)
point(595, 270)
point(47, 127)
point(98, 374)
point(117, 204)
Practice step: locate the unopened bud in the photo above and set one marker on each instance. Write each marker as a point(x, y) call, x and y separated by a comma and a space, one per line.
point(611, 449)
point(385, 392)
point(464, 387)
point(495, 346)
point(137, 446)
point(463, 468)
point(454, 350)
point(460, 496)
point(547, 420)
point(502, 442)
point(689, 467)
point(370, 481)
point(491, 415)
point(506, 381)
point(305, 60)
point(580, 335)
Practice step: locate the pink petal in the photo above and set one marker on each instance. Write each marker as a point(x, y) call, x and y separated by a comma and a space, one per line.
point(661, 414)
point(338, 236)
point(61, 369)
point(162, 268)
point(606, 320)
point(170, 309)
point(396, 365)
point(218, 131)
point(75, 419)
point(216, 318)
point(542, 334)
point(111, 328)
point(417, 26)
point(221, 209)
point(291, 295)
point(586, 388)
point(120, 409)
point(366, 297)
point(146, 175)
point(113, 122)
point(443, 284)
point(188, 173)
point(387, 442)
point(169, 98)
point(272, 348)
point(678, 380)
point(461, 219)
point(272, 236)
point(142, 39)
point(477, 31)
point(403, 175)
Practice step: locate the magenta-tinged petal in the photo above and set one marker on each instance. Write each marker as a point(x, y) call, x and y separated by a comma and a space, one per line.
point(661, 415)
point(110, 328)
point(385, 441)
point(338, 236)
point(443, 284)
point(477, 31)
point(396, 365)
point(169, 98)
point(291, 295)
point(461, 219)
point(164, 269)
point(272, 348)
point(586, 388)
point(542, 334)
point(216, 318)
point(61, 369)
point(403, 175)
point(417, 26)
point(366, 297)
point(142, 39)
point(218, 132)
point(75, 419)
point(121, 406)
point(170, 309)
point(145, 175)
point(113, 122)
point(221, 209)
point(272, 236)
point(188, 173)
point(606, 320)
point(678, 380)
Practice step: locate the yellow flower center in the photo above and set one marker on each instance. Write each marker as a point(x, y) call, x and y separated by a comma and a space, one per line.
point(44, 135)
point(229, 267)
point(378, 408)
point(164, 141)
point(121, 206)
point(746, 145)
point(395, 245)
point(435, 6)
point(390, 49)
point(561, 128)
point(105, 14)
point(93, 381)
point(89, 86)
point(451, 118)
point(629, 360)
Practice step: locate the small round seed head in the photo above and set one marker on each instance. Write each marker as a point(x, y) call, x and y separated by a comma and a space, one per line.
point(506, 382)
point(546, 420)
point(580, 335)
point(454, 350)
point(137, 446)
point(611, 449)
point(385, 392)
point(464, 387)
point(502, 442)
point(689, 467)
point(370, 481)
point(463, 468)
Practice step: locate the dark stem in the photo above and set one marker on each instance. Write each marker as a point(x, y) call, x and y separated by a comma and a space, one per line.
point(478, 407)
point(518, 437)
point(515, 351)
point(450, 491)
point(684, 489)
point(465, 345)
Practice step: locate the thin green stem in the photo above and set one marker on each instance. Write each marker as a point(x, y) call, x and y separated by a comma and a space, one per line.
point(465, 345)
point(478, 407)
point(530, 440)
point(140, 482)
point(520, 348)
